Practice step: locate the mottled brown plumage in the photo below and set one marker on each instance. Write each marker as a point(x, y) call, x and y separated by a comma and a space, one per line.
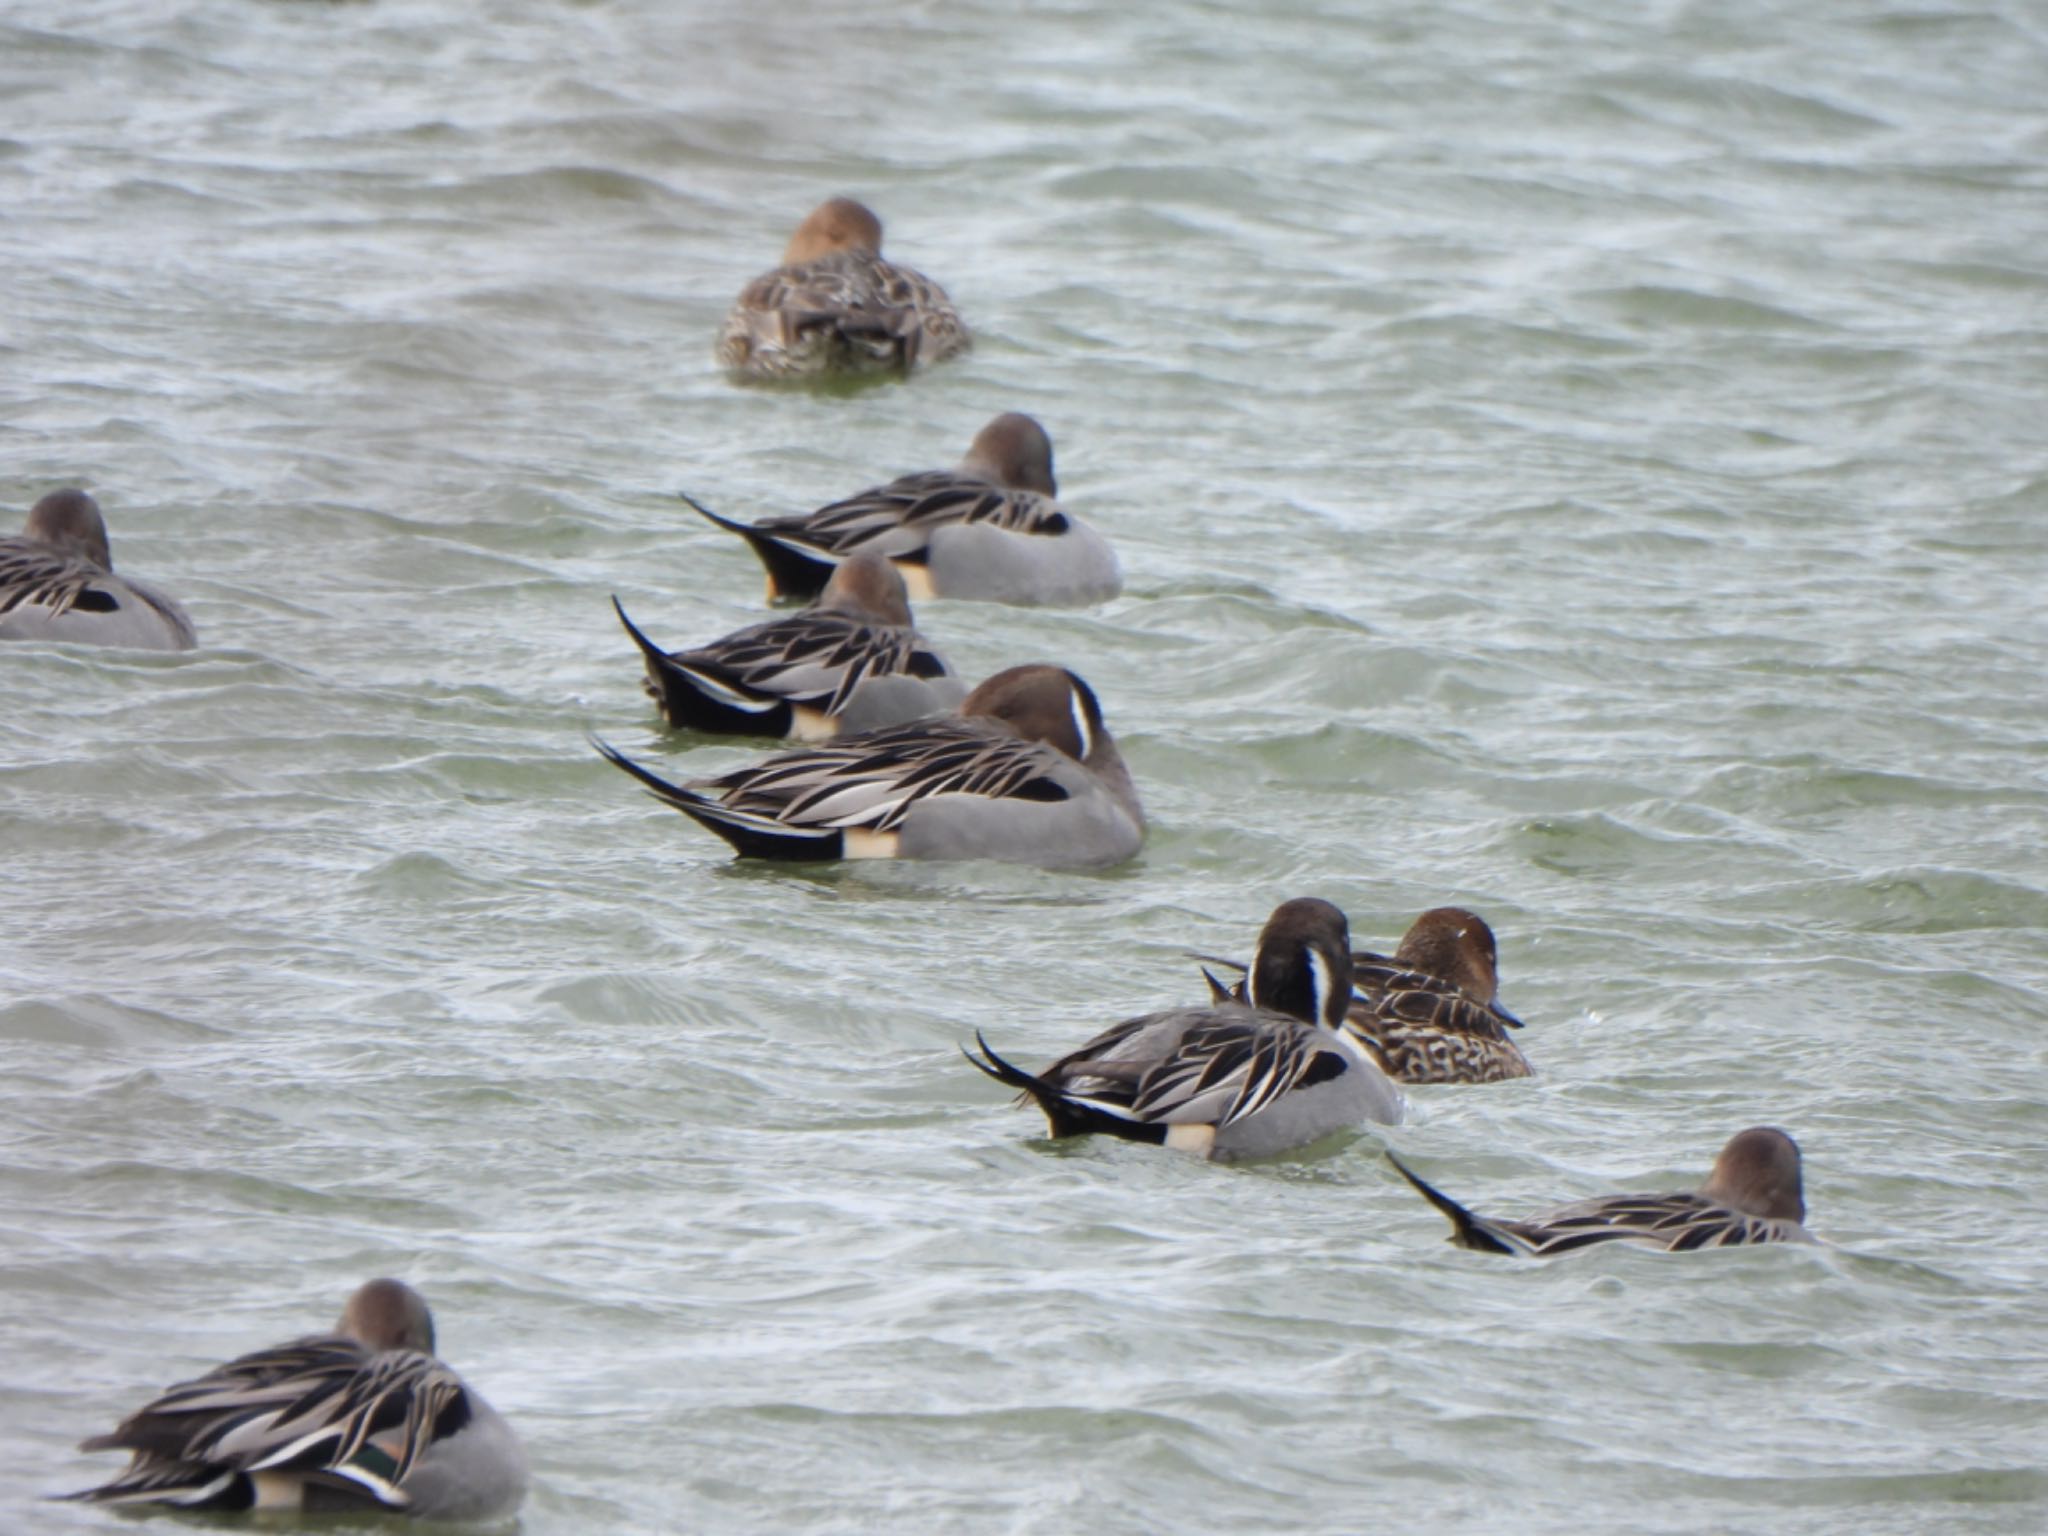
point(1431, 1009)
point(835, 306)
point(1429, 1013)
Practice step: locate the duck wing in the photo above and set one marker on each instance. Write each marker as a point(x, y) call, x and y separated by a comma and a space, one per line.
point(36, 574)
point(897, 519)
point(1233, 1065)
point(1392, 990)
point(322, 1408)
point(872, 780)
point(1675, 1223)
point(814, 660)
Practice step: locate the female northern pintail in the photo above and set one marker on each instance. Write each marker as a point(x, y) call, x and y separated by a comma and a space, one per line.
point(57, 582)
point(1233, 1079)
point(1752, 1196)
point(364, 1418)
point(835, 306)
point(990, 529)
point(1026, 772)
point(1429, 1013)
point(1431, 1010)
point(850, 662)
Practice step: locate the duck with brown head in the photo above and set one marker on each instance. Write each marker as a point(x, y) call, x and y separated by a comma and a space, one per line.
point(1753, 1195)
point(1026, 772)
point(990, 529)
point(850, 662)
point(364, 1418)
point(57, 582)
point(1236, 1079)
point(1430, 1012)
point(835, 307)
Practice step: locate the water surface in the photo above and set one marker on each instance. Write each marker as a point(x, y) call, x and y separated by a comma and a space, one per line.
point(1587, 467)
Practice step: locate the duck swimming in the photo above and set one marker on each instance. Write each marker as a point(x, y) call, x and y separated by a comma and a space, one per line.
point(990, 529)
point(1753, 1195)
point(850, 662)
point(1235, 1079)
point(57, 582)
point(1025, 772)
point(363, 1418)
point(836, 307)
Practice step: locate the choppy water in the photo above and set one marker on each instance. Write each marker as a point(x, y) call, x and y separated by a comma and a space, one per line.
point(1584, 463)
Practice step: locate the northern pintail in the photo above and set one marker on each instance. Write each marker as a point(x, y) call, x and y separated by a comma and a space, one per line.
point(1234, 1079)
point(990, 529)
point(364, 1418)
point(1026, 772)
point(1432, 1009)
point(57, 582)
point(1430, 1012)
point(1752, 1196)
point(850, 662)
point(835, 306)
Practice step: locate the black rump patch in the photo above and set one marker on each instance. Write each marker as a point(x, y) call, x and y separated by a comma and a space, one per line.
point(1322, 1067)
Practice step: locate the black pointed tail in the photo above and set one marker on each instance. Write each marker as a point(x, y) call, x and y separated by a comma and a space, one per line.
point(688, 705)
point(1066, 1117)
point(752, 837)
point(793, 571)
point(1469, 1231)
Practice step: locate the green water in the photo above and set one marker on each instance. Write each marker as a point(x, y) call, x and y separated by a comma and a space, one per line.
point(1583, 466)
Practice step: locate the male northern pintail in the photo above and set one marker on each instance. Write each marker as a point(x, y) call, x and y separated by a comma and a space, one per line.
point(1752, 1196)
point(990, 529)
point(1234, 1079)
point(364, 1418)
point(835, 306)
point(1430, 1012)
point(1026, 772)
point(57, 582)
point(850, 662)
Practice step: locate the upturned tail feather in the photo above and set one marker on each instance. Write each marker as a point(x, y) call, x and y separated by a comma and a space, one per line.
point(750, 837)
point(1470, 1231)
point(796, 571)
point(695, 701)
point(1066, 1116)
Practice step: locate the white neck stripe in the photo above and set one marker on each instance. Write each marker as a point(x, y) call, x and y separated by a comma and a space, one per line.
point(1319, 986)
point(1080, 714)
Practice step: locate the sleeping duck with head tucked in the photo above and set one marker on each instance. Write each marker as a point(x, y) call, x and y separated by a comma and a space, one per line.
point(364, 1418)
point(1025, 772)
point(991, 529)
point(57, 582)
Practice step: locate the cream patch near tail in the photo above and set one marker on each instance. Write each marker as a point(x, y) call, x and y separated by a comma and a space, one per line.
point(277, 1490)
point(859, 843)
point(917, 580)
point(806, 724)
point(1198, 1139)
